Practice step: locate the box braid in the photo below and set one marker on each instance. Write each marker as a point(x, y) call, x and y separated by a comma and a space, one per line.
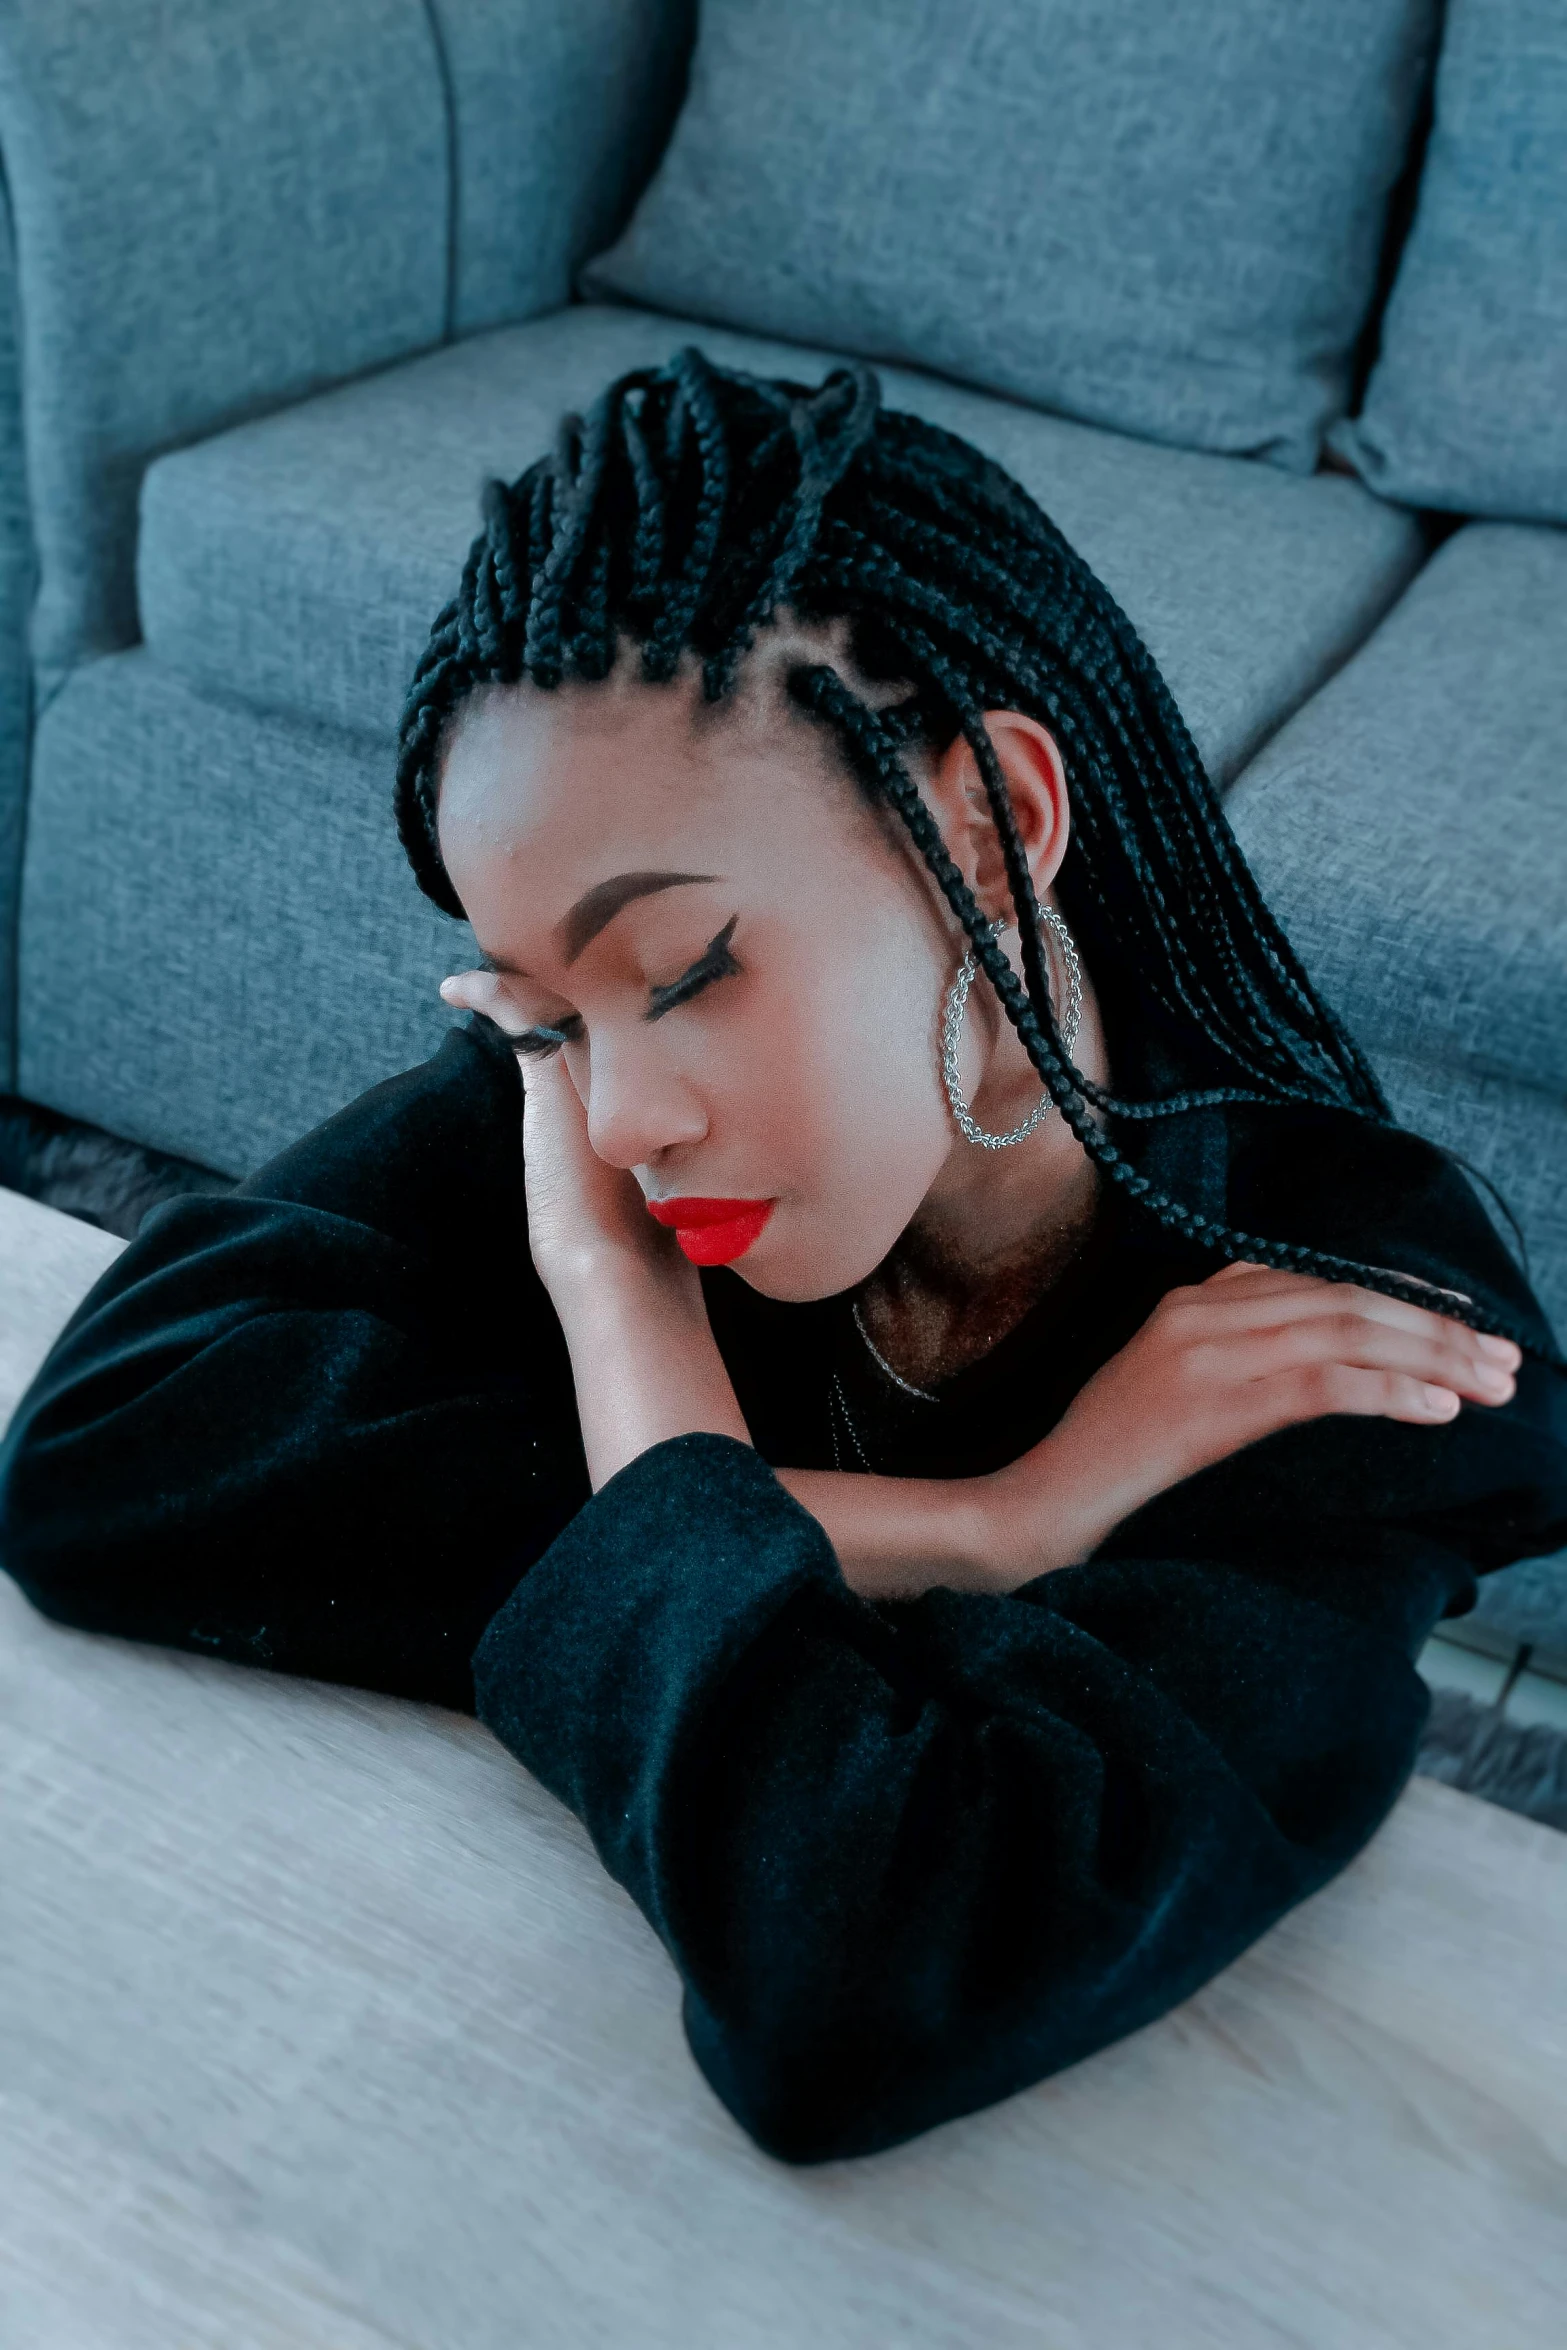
point(693, 503)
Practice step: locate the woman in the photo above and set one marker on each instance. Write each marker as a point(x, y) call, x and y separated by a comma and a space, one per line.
point(946, 1480)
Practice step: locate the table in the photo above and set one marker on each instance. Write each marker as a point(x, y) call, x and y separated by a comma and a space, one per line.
point(321, 2028)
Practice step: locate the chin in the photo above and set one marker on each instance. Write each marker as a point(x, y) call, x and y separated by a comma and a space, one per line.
point(802, 1275)
point(789, 1288)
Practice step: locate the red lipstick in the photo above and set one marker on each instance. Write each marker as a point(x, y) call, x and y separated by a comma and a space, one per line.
point(712, 1231)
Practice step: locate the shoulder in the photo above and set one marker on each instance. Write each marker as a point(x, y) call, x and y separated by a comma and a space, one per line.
point(401, 1155)
point(1381, 1196)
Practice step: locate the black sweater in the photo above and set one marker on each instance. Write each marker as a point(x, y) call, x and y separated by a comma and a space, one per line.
point(908, 1857)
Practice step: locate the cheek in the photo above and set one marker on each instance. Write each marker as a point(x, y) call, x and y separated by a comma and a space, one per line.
point(893, 1125)
point(855, 1124)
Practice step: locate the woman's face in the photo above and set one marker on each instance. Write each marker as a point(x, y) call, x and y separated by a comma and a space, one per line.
point(745, 959)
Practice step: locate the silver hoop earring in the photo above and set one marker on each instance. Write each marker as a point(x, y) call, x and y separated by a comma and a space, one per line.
point(952, 1029)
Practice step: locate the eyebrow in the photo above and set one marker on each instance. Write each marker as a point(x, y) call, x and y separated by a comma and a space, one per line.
point(596, 907)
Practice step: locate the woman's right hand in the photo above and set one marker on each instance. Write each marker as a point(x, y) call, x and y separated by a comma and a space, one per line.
point(1217, 1365)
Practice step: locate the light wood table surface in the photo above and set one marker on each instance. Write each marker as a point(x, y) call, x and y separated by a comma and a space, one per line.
point(321, 2028)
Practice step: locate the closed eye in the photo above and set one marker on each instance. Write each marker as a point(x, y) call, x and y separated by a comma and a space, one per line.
point(547, 1040)
point(715, 962)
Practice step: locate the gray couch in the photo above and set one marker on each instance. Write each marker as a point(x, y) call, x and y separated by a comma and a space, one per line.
point(284, 281)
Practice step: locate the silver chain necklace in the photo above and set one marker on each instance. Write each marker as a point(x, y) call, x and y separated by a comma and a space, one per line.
point(836, 1406)
point(882, 1364)
point(838, 1402)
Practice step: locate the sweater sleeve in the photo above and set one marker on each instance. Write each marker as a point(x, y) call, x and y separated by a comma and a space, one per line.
point(909, 1858)
point(322, 1422)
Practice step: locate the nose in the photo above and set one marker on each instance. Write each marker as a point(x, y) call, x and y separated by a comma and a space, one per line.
point(637, 1105)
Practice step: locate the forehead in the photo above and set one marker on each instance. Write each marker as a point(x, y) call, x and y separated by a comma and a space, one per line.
point(524, 759)
point(620, 773)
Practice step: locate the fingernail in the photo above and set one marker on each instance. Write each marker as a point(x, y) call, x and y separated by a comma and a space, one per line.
point(1441, 1400)
point(1502, 1349)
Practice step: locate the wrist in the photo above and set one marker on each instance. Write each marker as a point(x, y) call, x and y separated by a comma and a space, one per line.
point(591, 1276)
point(1035, 1520)
point(896, 1537)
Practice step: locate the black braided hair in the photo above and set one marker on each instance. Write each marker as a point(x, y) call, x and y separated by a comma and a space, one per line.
point(694, 503)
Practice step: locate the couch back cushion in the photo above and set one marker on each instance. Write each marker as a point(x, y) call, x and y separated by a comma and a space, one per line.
point(223, 205)
point(1164, 216)
point(1467, 404)
point(558, 111)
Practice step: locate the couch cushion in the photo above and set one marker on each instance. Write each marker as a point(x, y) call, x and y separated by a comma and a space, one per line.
point(247, 948)
point(1409, 827)
point(1467, 405)
point(1160, 215)
point(299, 561)
point(1529, 1602)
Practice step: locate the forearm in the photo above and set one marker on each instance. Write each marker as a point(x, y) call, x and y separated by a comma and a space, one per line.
point(250, 1443)
point(895, 1537)
point(898, 1536)
point(877, 1851)
point(647, 1368)
point(644, 1362)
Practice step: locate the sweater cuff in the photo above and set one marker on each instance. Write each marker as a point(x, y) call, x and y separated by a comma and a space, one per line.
point(595, 1670)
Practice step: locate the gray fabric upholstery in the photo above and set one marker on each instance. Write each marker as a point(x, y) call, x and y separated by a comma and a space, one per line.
point(1159, 215)
point(1409, 826)
point(221, 940)
point(1515, 1132)
point(1467, 407)
point(299, 561)
point(16, 589)
point(211, 216)
point(1529, 1602)
point(222, 208)
point(561, 108)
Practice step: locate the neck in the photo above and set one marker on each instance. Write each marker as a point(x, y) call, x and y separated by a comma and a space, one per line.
point(998, 1228)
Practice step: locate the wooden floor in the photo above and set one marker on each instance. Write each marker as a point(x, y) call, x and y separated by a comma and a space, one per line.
point(321, 2028)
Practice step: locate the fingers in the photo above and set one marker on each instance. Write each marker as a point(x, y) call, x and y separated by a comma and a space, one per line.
point(481, 991)
point(1429, 1352)
point(1244, 1296)
point(474, 991)
point(1281, 1347)
point(1313, 1391)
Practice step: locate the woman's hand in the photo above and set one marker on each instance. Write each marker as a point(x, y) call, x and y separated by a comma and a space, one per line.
point(1216, 1366)
point(644, 1359)
point(586, 1219)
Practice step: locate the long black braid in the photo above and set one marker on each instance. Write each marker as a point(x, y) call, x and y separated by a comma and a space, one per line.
point(693, 503)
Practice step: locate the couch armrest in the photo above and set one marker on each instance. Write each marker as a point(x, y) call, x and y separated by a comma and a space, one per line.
point(223, 205)
point(16, 590)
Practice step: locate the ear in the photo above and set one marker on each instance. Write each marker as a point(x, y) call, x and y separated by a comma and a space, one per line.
point(1036, 785)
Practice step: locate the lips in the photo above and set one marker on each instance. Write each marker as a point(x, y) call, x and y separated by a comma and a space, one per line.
point(712, 1231)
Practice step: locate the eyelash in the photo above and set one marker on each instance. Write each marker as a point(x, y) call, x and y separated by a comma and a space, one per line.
point(716, 962)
